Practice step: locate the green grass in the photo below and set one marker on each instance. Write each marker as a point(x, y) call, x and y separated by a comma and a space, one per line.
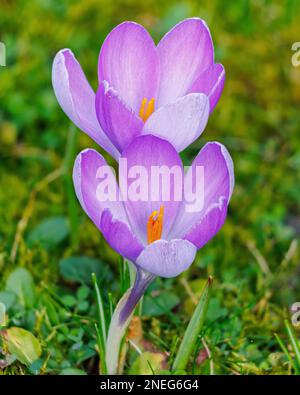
point(255, 257)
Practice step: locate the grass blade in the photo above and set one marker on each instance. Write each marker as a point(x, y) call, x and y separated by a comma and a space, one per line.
point(190, 337)
point(101, 347)
point(294, 342)
point(124, 275)
point(111, 306)
point(100, 330)
point(101, 311)
point(286, 352)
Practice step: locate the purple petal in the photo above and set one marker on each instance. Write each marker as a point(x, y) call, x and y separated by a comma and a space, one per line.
point(128, 61)
point(153, 154)
point(167, 258)
point(108, 216)
point(218, 185)
point(86, 181)
point(117, 120)
point(209, 225)
point(211, 82)
point(77, 98)
point(230, 167)
point(185, 52)
point(180, 122)
point(120, 237)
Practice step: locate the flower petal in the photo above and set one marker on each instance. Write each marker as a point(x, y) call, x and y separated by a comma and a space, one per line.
point(209, 225)
point(230, 167)
point(109, 216)
point(77, 98)
point(152, 155)
point(216, 189)
point(86, 178)
point(184, 52)
point(167, 258)
point(211, 82)
point(120, 237)
point(117, 120)
point(128, 61)
point(180, 122)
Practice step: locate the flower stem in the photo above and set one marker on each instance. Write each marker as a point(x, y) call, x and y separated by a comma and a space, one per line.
point(142, 280)
point(122, 317)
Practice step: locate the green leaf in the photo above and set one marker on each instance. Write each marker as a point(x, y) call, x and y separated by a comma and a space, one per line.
point(2, 314)
point(79, 269)
point(85, 352)
point(83, 306)
point(72, 372)
point(160, 304)
point(23, 345)
point(52, 308)
point(69, 300)
point(146, 363)
point(49, 233)
point(82, 292)
point(20, 282)
point(192, 332)
point(8, 298)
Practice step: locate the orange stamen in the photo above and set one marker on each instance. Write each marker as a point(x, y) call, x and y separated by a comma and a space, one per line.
point(155, 225)
point(147, 108)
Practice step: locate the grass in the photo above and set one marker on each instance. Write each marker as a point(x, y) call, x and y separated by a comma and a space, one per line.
point(255, 257)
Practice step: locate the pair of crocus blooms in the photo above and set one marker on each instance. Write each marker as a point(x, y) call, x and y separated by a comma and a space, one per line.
point(152, 102)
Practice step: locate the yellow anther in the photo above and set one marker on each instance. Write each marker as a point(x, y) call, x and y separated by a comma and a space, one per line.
point(155, 225)
point(147, 108)
point(142, 109)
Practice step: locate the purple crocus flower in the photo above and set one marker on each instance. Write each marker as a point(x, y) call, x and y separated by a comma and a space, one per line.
point(166, 90)
point(160, 237)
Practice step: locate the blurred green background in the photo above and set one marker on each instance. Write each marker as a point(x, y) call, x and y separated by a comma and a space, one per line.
point(48, 246)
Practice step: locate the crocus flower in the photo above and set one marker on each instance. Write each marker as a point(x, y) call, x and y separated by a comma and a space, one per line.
point(160, 237)
point(166, 90)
